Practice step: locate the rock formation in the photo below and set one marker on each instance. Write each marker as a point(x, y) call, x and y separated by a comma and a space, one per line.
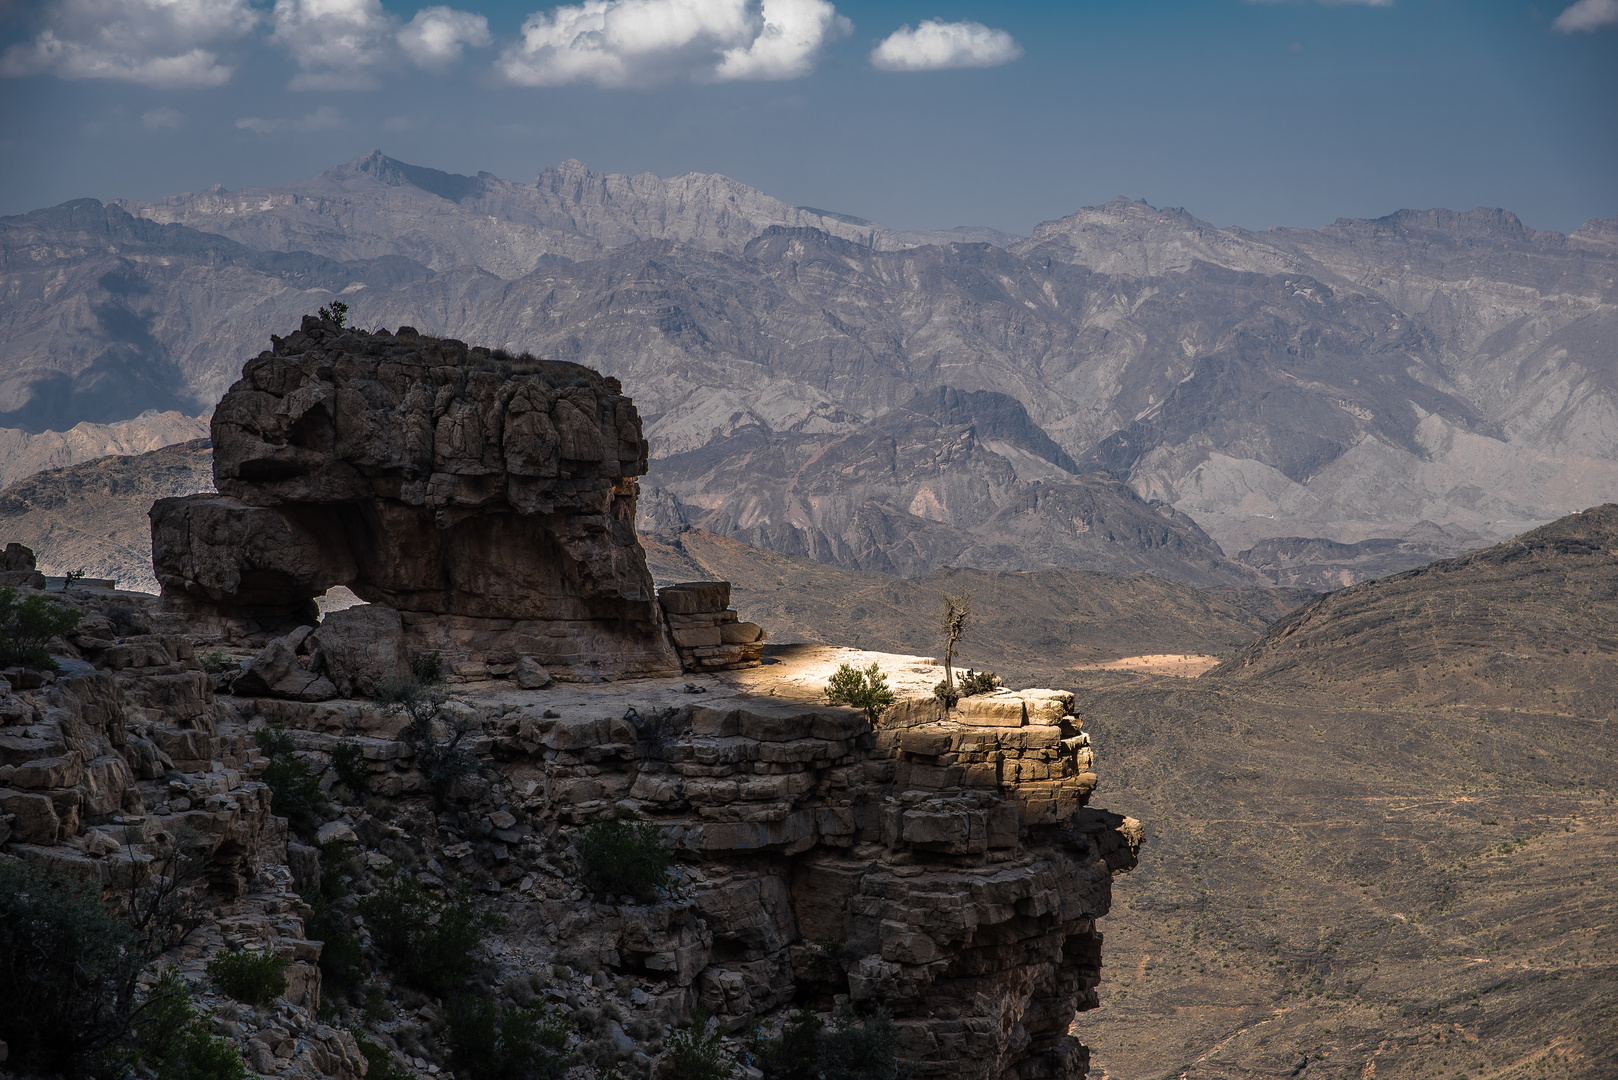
point(707, 634)
point(491, 501)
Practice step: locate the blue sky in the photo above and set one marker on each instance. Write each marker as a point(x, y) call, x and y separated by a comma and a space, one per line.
point(1245, 113)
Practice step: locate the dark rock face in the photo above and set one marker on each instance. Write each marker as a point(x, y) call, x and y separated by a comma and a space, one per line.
point(491, 501)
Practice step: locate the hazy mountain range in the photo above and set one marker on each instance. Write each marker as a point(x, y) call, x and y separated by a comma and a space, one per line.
point(1128, 388)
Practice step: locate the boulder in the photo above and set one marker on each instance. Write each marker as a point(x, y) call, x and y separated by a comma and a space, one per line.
point(531, 675)
point(277, 672)
point(362, 649)
point(17, 557)
point(35, 820)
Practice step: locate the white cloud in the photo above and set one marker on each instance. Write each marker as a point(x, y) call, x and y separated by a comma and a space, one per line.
point(324, 118)
point(160, 118)
point(1587, 15)
point(643, 42)
point(433, 39)
point(788, 43)
point(165, 43)
point(935, 44)
point(337, 43)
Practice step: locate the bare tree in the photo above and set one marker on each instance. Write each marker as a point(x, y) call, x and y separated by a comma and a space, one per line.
point(957, 619)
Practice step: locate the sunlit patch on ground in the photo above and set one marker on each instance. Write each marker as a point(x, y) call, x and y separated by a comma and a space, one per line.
point(1183, 665)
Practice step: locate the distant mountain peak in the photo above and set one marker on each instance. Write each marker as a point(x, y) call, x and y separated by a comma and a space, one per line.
point(391, 172)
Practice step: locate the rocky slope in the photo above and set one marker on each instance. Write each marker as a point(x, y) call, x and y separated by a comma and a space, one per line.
point(1352, 383)
point(93, 517)
point(24, 453)
point(1380, 852)
point(1029, 627)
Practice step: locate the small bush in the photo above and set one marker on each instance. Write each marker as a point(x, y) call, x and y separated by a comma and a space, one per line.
point(507, 1042)
point(978, 682)
point(863, 689)
point(294, 791)
point(348, 758)
point(848, 1049)
point(214, 662)
point(427, 668)
point(67, 971)
point(697, 1053)
point(27, 627)
point(442, 762)
point(256, 978)
point(430, 942)
point(624, 858)
point(379, 1058)
point(336, 313)
point(855, 1050)
point(173, 1040)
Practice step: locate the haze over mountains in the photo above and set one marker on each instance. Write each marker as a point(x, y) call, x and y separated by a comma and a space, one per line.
point(1128, 388)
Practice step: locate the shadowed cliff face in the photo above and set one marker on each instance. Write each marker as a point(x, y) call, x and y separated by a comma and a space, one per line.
point(491, 499)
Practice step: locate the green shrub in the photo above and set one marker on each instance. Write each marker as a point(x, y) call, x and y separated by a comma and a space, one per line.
point(507, 1042)
point(855, 1050)
point(341, 956)
point(27, 627)
point(348, 758)
point(978, 682)
point(697, 1052)
point(625, 858)
point(380, 1059)
point(294, 791)
point(430, 942)
point(427, 668)
point(848, 1049)
point(68, 971)
point(442, 763)
point(173, 1042)
point(792, 1055)
point(256, 978)
point(863, 689)
point(214, 662)
point(336, 312)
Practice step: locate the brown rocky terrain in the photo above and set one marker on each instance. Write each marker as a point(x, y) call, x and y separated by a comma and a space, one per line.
point(1380, 834)
point(24, 453)
point(1029, 626)
point(93, 516)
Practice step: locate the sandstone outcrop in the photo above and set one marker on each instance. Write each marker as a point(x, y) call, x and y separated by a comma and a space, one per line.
point(491, 501)
point(707, 634)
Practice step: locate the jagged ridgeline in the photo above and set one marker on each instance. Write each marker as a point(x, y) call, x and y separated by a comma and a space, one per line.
point(521, 812)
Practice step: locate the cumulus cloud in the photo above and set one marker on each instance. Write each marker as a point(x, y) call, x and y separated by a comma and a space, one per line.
point(1586, 16)
point(433, 39)
point(160, 118)
point(643, 42)
point(164, 43)
point(338, 44)
point(788, 43)
point(324, 118)
point(935, 44)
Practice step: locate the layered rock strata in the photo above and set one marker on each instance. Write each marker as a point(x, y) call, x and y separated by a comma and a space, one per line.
point(943, 864)
point(491, 501)
point(707, 634)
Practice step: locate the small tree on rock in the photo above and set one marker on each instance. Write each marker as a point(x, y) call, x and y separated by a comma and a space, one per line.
point(956, 619)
